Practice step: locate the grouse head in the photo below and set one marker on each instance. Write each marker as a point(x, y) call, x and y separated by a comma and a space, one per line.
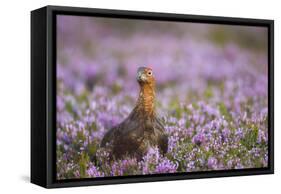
point(145, 76)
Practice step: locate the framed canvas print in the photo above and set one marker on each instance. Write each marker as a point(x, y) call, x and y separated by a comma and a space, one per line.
point(125, 96)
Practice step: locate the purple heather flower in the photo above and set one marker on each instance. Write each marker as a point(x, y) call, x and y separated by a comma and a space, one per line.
point(182, 122)
point(261, 136)
point(239, 133)
point(198, 139)
point(94, 172)
point(212, 163)
point(239, 166)
point(150, 160)
point(166, 166)
point(230, 164)
point(225, 134)
point(66, 138)
point(107, 120)
point(123, 167)
point(77, 174)
point(152, 155)
point(190, 166)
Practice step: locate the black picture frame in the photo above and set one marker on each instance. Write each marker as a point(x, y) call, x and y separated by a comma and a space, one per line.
point(43, 92)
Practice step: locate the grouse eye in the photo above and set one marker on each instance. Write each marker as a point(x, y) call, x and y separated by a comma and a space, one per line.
point(149, 73)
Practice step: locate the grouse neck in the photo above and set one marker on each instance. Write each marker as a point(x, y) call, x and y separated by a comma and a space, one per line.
point(146, 99)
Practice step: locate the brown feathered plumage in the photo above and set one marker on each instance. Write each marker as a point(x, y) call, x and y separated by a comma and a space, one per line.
point(142, 129)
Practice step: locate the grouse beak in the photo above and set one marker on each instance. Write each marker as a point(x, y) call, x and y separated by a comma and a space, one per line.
point(141, 77)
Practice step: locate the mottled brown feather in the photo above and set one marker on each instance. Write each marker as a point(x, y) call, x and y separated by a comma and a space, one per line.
point(142, 129)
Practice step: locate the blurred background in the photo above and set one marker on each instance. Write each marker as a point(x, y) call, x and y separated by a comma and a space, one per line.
point(189, 60)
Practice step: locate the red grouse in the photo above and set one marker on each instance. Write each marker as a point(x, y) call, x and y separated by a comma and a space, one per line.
point(142, 129)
